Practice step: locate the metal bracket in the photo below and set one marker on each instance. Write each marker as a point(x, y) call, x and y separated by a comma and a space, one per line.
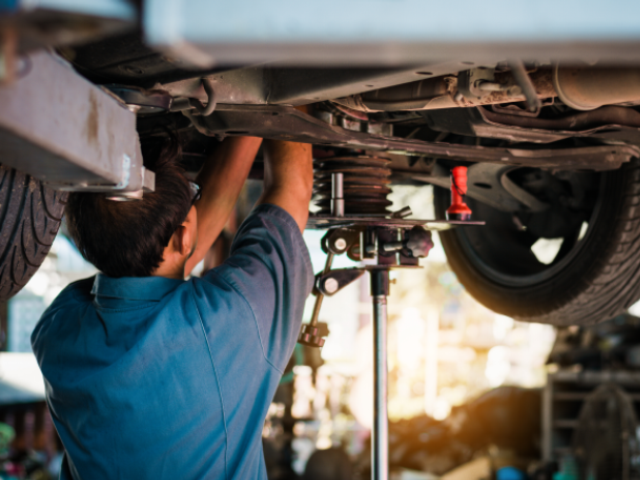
point(94, 148)
point(335, 280)
point(470, 83)
point(522, 77)
point(148, 185)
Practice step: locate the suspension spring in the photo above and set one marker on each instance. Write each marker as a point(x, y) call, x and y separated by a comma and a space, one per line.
point(365, 184)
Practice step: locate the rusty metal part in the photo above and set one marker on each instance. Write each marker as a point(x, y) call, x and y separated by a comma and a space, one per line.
point(210, 106)
point(587, 88)
point(365, 184)
point(446, 92)
point(526, 85)
point(581, 88)
point(604, 116)
point(477, 83)
point(289, 124)
point(613, 124)
point(410, 96)
point(277, 85)
point(540, 77)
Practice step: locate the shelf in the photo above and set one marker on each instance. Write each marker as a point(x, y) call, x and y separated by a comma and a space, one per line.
point(580, 396)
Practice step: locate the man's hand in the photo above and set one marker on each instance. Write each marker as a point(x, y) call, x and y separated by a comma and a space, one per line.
point(288, 178)
point(221, 181)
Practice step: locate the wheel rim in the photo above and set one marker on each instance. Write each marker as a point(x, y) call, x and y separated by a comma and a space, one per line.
point(502, 254)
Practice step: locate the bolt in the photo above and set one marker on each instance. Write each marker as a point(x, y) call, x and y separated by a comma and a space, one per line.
point(340, 243)
point(331, 285)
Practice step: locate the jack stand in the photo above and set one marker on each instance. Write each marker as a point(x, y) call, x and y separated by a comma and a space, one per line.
point(398, 247)
point(390, 241)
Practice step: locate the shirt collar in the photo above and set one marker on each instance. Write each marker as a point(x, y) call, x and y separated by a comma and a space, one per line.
point(134, 288)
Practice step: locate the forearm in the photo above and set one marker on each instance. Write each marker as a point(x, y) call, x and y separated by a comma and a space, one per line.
point(288, 178)
point(221, 181)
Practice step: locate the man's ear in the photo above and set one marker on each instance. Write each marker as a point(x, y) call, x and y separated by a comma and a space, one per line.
point(187, 232)
point(178, 240)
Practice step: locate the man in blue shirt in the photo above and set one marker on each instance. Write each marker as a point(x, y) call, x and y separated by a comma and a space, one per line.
point(149, 376)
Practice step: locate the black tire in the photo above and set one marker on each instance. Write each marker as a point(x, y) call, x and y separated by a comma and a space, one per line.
point(598, 280)
point(30, 216)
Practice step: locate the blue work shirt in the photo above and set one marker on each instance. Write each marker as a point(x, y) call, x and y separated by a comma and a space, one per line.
point(155, 378)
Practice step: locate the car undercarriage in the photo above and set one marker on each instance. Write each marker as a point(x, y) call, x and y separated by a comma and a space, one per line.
point(548, 127)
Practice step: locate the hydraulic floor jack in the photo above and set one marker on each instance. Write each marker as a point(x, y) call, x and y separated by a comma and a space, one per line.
point(352, 196)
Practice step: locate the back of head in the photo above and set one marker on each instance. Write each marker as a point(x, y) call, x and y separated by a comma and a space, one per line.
point(127, 239)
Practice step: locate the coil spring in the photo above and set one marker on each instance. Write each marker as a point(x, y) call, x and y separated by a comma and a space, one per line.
point(366, 184)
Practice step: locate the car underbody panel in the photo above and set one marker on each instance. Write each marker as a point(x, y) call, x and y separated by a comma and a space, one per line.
point(287, 123)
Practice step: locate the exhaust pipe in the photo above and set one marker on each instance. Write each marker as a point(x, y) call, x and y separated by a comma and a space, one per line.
point(581, 88)
point(588, 88)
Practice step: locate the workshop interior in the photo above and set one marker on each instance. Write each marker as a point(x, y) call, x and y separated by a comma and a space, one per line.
point(474, 227)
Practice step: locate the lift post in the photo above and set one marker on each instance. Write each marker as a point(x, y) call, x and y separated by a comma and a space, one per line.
point(380, 434)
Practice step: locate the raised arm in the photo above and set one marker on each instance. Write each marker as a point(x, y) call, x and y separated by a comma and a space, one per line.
point(221, 180)
point(269, 266)
point(288, 178)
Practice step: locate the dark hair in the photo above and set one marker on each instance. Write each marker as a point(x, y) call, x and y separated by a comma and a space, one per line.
point(127, 239)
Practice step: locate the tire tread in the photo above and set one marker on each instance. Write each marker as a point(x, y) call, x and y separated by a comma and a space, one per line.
point(30, 216)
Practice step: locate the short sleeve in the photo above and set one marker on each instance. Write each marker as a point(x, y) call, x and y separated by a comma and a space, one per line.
point(270, 268)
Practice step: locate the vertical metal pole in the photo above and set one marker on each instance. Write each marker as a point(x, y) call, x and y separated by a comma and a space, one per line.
point(380, 433)
point(547, 420)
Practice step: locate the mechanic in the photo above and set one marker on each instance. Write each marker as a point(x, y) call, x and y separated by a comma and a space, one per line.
point(151, 376)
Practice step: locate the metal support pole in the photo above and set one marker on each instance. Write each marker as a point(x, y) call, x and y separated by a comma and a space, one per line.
point(380, 432)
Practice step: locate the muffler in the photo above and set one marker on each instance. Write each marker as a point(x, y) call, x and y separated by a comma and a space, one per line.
point(588, 88)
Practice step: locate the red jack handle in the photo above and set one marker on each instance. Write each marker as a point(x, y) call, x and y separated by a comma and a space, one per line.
point(458, 209)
